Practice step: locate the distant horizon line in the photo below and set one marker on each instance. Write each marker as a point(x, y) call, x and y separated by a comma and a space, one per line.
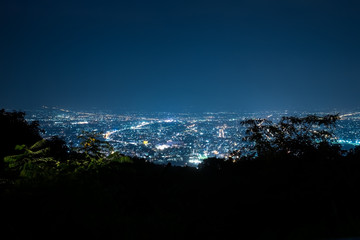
point(117, 111)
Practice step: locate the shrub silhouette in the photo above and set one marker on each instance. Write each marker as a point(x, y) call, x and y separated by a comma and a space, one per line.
point(15, 130)
point(93, 145)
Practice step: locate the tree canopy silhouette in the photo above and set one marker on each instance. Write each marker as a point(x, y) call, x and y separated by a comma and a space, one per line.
point(291, 136)
point(15, 130)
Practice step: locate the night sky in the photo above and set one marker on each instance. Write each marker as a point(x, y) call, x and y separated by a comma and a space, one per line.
point(180, 55)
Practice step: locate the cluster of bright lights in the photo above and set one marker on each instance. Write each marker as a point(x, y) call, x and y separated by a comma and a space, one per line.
point(139, 126)
point(195, 161)
point(84, 122)
point(162, 146)
point(355, 143)
point(109, 133)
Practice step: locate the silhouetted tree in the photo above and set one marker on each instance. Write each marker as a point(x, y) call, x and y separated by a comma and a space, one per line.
point(15, 130)
point(93, 145)
point(291, 136)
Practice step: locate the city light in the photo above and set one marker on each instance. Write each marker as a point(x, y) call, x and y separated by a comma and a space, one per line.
point(185, 138)
point(162, 147)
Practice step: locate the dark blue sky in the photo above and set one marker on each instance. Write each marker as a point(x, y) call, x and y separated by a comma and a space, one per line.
point(180, 55)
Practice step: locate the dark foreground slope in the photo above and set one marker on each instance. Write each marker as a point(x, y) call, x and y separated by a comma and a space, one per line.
point(255, 199)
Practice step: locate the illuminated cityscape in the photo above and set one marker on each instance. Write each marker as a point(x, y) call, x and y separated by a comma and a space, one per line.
point(179, 138)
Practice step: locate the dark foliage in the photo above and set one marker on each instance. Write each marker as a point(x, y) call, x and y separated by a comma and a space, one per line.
point(292, 137)
point(15, 130)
